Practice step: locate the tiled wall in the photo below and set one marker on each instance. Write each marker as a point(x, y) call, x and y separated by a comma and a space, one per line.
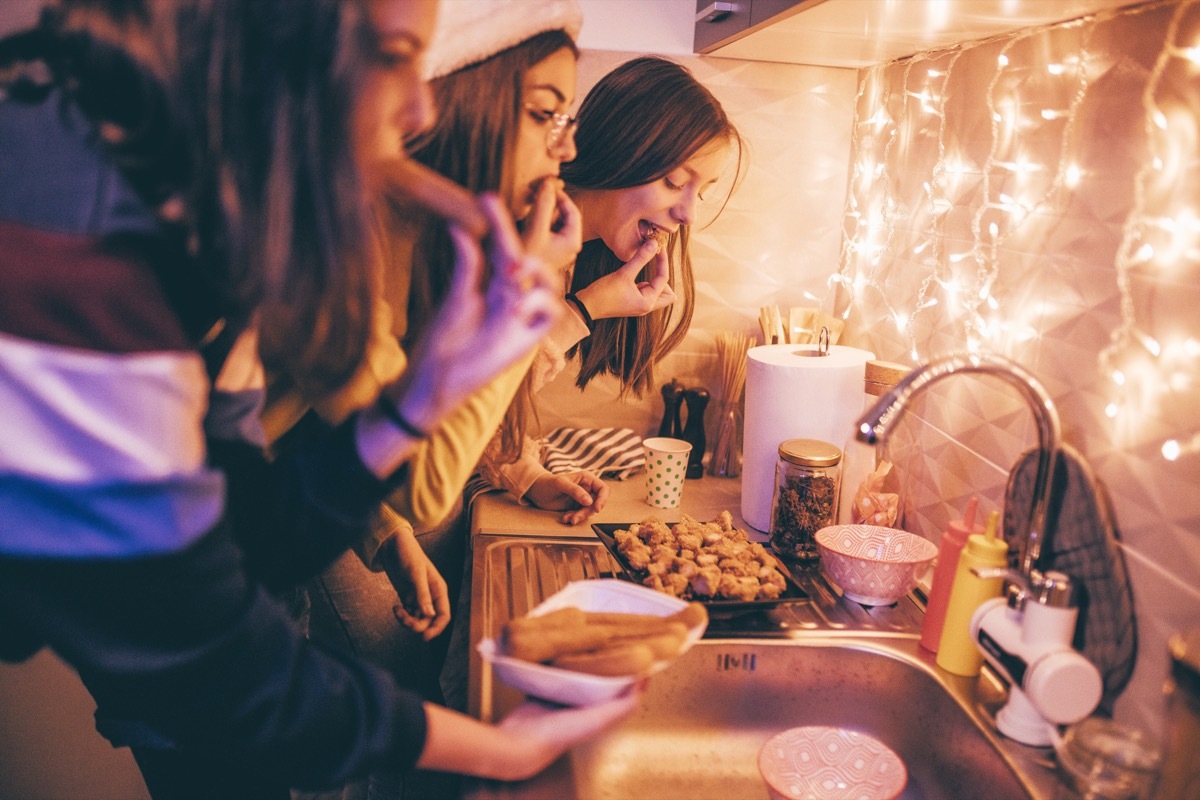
point(1008, 196)
point(777, 241)
point(1034, 189)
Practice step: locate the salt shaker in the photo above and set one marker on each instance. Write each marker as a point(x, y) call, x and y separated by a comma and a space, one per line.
point(672, 422)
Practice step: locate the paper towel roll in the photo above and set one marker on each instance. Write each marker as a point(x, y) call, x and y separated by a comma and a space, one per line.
point(793, 393)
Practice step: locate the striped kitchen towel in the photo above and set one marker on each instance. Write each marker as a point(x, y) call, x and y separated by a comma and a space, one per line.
point(609, 452)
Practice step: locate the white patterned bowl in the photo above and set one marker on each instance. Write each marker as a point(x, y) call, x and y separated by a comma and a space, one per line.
point(571, 688)
point(819, 763)
point(873, 565)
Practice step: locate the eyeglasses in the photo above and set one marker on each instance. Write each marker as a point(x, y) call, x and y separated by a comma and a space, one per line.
point(560, 125)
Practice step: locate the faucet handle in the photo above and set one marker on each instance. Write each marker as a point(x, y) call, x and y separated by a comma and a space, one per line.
point(1052, 588)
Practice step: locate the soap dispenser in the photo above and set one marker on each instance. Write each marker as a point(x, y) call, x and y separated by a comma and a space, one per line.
point(954, 538)
point(957, 652)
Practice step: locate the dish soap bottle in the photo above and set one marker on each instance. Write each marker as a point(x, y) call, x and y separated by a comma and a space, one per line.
point(954, 538)
point(957, 653)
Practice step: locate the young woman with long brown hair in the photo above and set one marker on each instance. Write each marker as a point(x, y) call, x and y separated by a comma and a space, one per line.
point(652, 142)
point(185, 185)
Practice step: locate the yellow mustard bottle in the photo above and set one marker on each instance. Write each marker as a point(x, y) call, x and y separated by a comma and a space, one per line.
point(957, 653)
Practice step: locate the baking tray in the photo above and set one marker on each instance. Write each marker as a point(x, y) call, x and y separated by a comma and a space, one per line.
point(606, 533)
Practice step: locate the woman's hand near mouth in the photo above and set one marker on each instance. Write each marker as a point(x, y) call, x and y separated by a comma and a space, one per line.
point(621, 294)
point(553, 231)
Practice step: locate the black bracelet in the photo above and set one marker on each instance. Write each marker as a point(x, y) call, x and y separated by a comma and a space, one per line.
point(583, 312)
point(392, 412)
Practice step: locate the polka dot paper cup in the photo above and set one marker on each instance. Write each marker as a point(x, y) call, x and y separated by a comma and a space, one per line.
point(666, 464)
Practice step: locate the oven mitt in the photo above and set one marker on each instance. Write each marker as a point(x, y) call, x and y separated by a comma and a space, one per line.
point(1081, 540)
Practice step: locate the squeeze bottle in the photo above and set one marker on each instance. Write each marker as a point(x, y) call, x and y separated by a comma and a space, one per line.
point(949, 550)
point(957, 653)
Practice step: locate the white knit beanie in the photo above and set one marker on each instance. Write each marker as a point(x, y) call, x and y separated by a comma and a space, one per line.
point(469, 31)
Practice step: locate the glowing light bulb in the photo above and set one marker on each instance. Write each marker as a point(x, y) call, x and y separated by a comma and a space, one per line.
point(1072, 175)
point(1118, 377)
point(1171, 449)
point(1150, 343)
point(1111, 410)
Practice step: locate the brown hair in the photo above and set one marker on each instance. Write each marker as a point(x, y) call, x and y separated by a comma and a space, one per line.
point(675, 118)
point(472, 143)
point(242, 111)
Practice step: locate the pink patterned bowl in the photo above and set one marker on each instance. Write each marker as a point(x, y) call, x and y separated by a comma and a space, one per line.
point(873, 565)
point(818, 763)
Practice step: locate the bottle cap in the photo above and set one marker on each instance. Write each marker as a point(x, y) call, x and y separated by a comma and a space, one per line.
point(988, 546)
point(810, 452)
point(959, 529)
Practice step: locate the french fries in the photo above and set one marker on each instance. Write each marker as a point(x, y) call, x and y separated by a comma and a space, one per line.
point(600, 643)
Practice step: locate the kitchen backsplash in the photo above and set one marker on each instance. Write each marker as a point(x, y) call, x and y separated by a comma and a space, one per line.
point(1036, 195)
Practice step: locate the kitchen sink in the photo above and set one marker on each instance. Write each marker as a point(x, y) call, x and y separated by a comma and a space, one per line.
point(699, 728)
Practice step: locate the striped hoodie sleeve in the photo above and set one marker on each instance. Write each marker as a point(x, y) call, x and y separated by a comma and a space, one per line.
point(126, 477)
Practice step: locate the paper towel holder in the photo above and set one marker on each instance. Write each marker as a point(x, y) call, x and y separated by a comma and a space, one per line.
point(822, 345)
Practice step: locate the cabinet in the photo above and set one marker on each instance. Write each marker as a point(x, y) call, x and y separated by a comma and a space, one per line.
point(859, 33)
point(720, 23)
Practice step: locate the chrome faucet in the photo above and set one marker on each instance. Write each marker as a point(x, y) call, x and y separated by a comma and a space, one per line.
point(875, 424)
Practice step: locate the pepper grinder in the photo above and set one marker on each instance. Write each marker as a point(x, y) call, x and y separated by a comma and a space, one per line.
point(697, 402)
point(671, 425)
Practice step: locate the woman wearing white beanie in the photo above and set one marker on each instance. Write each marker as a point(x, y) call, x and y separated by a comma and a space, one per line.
point(503, 78)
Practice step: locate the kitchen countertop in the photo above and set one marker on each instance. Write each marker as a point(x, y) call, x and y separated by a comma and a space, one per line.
point(521, 555)
point(703, 498)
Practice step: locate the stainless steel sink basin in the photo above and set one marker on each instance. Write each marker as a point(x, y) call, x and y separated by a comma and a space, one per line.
point(705, 719)
point(698, 732)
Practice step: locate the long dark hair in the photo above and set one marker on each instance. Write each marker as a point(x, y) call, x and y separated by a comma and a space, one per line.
point(240, 111)
point(638, 123)
point(479, 112)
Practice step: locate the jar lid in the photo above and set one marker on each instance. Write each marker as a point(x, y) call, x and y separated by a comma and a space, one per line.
point(810, 452)
point(879, 376)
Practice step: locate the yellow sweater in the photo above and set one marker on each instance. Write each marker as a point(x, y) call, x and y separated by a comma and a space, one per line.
point(439, 467)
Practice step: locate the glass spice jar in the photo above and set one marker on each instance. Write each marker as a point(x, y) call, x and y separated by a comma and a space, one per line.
point(807, 483)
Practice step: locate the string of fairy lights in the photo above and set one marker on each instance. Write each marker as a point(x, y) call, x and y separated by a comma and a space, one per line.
point(1014, 199)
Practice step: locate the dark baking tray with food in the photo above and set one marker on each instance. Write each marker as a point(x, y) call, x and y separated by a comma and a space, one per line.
point(606, 533)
